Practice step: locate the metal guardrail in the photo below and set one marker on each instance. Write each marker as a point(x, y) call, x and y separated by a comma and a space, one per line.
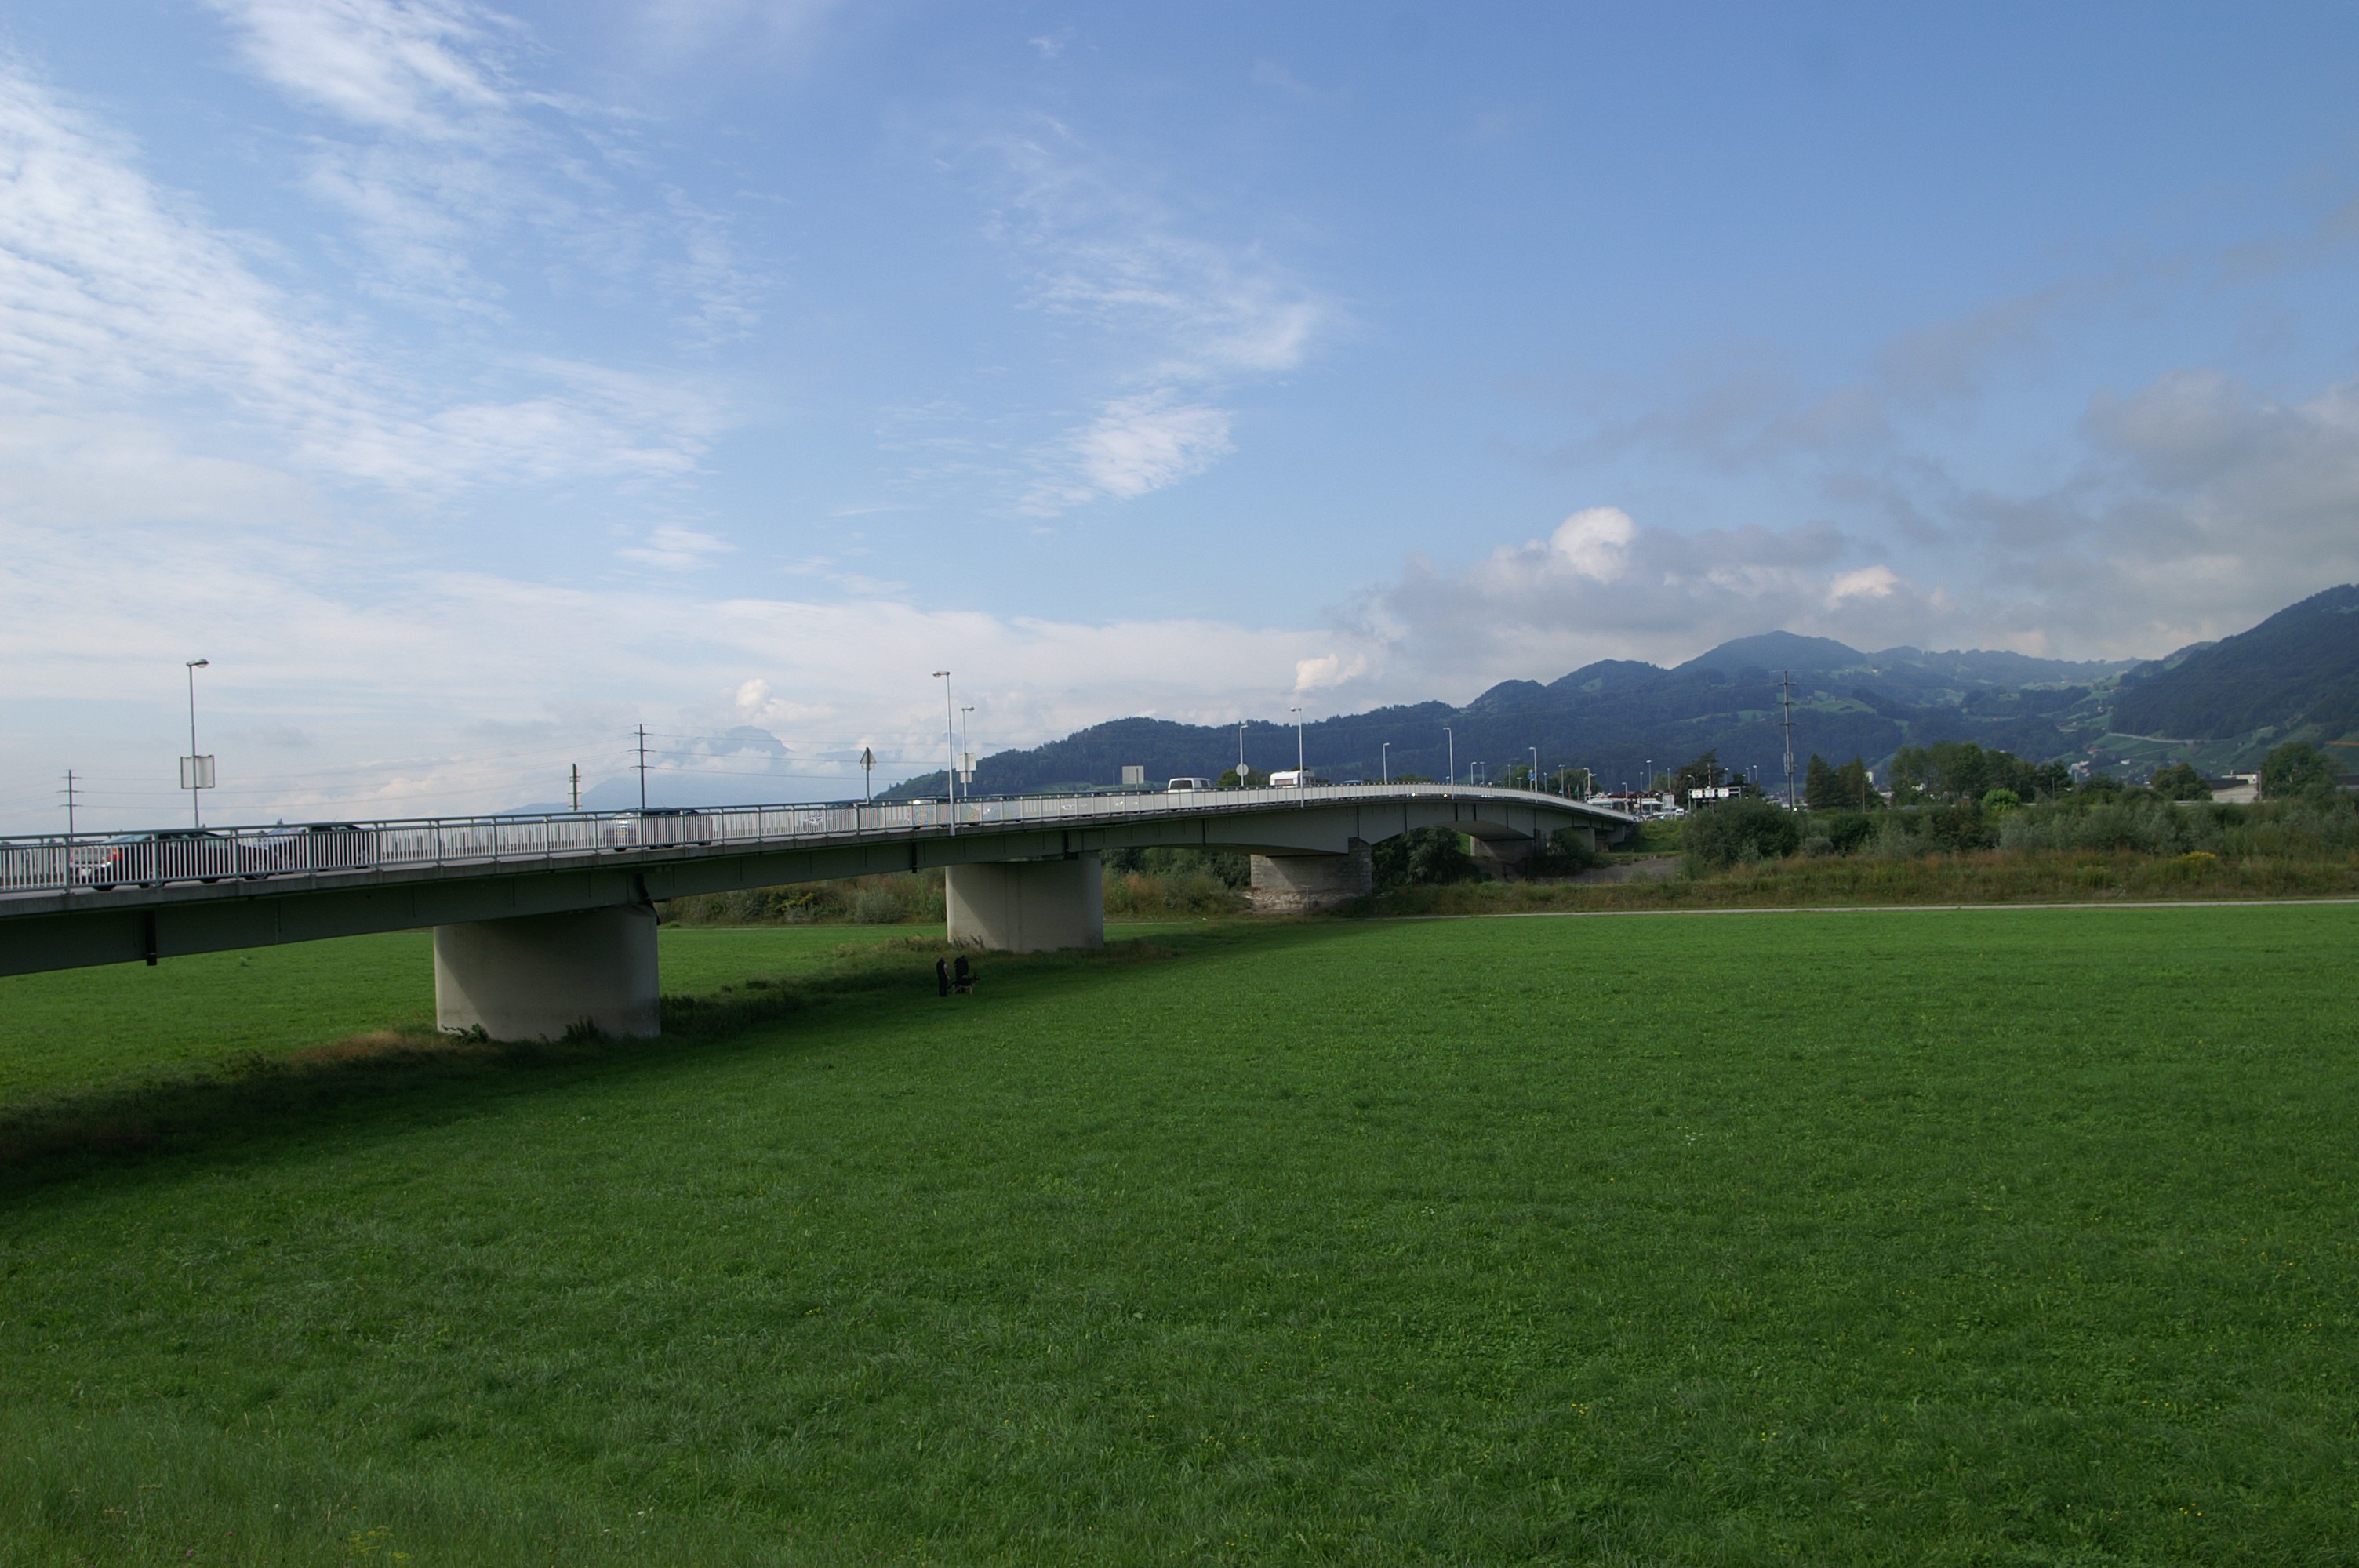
point(56, 863)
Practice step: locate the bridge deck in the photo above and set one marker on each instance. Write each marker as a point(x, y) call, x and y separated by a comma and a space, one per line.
point(120, 897)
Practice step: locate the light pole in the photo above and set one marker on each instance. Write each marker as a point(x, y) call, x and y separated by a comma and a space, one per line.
point(1298, 743)
point(1536, 769)
point(1451, 741)
point(1241, 753)
point(950, 742)
point(196, 768)
point(1386, 757)
point(966, 751)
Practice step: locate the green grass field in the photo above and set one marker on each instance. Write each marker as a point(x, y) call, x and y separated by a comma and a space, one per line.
point(1997, 1237)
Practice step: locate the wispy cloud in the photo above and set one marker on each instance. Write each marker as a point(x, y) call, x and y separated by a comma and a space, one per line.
point(118, 297)
point(1181, 317)
point(444, 158)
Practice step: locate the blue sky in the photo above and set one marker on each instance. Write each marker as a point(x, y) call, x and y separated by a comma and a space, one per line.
point(474, 384)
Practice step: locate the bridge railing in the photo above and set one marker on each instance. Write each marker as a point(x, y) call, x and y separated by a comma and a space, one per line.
point(185, 855)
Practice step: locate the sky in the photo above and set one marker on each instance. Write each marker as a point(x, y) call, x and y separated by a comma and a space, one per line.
point(471, 385)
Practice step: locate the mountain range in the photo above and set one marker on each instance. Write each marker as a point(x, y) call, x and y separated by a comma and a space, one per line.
point(2219, 705)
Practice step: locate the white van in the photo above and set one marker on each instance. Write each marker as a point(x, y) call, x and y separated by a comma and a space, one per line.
point(1292, 778)
point(1182, 786)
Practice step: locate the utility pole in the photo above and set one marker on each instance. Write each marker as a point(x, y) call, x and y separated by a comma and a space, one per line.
point(577, 786)
point(643, 770)
point(69, 822)
point(1786, 703)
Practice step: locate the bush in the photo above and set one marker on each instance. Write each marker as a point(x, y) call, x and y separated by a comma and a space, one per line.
point(1564, 853)
point(1423, 857)
point(1745, 829)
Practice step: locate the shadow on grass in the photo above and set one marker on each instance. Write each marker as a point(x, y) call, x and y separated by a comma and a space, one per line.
point(389, 1078)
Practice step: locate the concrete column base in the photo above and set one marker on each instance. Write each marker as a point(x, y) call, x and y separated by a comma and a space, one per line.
point(535, 977)
point(1305, 884)
point(1027, 906)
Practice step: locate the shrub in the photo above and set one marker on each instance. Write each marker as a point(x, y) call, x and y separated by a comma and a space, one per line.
point(1423, 857)
point(1743, 829)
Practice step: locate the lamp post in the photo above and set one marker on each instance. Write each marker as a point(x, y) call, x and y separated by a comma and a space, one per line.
point(1385, 757)
point(1298, 743)
point(950, 744)
point(966, 751)
point(1451, 741)
point(1241, 753)
point(196, 769)
point(1536, 769)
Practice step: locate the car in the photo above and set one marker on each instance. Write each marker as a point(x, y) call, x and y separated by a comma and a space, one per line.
point(662, 826)
point(1187, 785)
point(174, 855)
point(1294, 778)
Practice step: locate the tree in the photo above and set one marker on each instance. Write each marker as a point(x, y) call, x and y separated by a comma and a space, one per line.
point(1855, 787)
point(2178, 782)
point(1745, 829)
point(1822, 790)
point(2295, 768)
point(1421, 857)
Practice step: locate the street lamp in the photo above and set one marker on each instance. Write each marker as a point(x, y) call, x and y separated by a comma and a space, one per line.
point(196, 769)
point(949, 742)
point(1298, 743)
point(966, 751)
point(1536, 768)
point(1451, 741)
point(1385, 757)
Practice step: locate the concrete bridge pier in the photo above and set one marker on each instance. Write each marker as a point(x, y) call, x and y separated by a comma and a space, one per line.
point(1502, 859)
point(534, 976)
point(1305, 884)
point(1027, 906)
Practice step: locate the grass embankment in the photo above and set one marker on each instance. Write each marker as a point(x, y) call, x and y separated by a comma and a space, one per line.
point(1995, 876)
point(1967, 1238)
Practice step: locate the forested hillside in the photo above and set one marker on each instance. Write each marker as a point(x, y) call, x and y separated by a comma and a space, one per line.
point(2298, 668)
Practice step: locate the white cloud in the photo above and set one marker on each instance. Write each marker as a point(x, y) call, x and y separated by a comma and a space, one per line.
point(1595, 542)
point(423, 691)
point(1141, 444)
point(1181, 315)
point(674, 549)
point(447, 166)
point(116, 297)
point(417, 67)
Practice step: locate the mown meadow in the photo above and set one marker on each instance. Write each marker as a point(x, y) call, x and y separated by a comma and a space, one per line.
point(1998, 1236)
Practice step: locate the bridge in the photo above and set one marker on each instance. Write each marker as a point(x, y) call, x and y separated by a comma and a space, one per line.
point(543, 924)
